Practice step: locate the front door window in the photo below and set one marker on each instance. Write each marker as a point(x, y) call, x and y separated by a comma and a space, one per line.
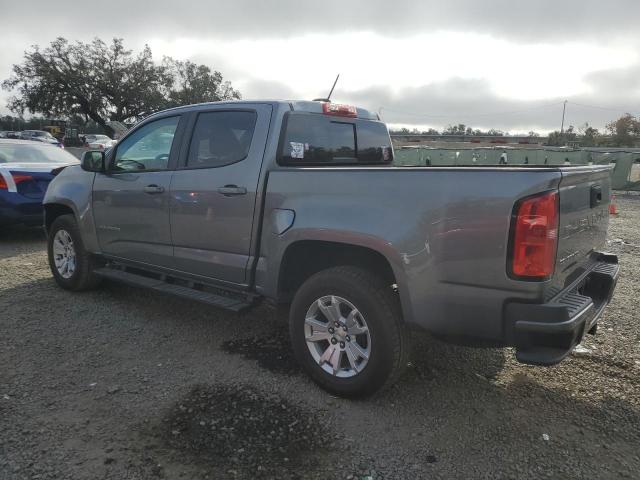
point(148, 148)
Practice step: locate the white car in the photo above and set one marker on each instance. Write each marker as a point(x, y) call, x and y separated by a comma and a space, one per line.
point(98, 142)
point(40, 136)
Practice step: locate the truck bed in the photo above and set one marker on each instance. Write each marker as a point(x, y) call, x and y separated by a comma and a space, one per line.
point(444, 230)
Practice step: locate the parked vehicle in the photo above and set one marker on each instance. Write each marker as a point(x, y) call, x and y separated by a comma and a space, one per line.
point(26, 168)
point(297, 203)
point(98, 142)
point(9, 134)
point(41, 136)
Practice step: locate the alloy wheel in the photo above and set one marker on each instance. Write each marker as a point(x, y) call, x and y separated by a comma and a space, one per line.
point(64, 254)
point(337, 336)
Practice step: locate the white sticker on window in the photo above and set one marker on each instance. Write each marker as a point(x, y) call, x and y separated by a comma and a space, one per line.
point(297, 149)
point(386, 153)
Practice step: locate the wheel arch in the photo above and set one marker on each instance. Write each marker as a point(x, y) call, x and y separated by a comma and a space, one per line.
point(53, 211)
point(305, 257)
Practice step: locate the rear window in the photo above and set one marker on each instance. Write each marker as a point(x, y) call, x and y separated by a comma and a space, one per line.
point(312, 139)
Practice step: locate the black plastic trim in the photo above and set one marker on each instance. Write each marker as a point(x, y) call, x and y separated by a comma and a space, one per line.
point(543, 334)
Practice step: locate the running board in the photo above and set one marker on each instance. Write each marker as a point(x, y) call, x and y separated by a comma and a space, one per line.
point(233, 303)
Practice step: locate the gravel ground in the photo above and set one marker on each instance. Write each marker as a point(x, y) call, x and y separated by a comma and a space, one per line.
point(122, 383)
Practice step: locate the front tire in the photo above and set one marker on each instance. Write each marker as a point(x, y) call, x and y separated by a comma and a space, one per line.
point(347, 332)
point(71, 265)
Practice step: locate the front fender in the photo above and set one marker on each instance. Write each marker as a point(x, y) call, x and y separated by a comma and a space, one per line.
point(72, 188)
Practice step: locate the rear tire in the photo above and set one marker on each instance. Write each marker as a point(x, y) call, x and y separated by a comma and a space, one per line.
point(71, 265)
point(338, 317)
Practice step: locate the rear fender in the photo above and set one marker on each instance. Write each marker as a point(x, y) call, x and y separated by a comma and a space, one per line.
point(268, 284)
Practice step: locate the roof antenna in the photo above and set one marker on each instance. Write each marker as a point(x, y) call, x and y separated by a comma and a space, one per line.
point(328, 99)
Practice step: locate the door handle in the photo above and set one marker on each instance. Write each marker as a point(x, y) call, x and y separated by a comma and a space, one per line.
point(151, 189)
point(232, 190)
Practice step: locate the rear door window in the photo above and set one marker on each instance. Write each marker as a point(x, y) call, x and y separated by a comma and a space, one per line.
point(221, 138)
point(311, 139)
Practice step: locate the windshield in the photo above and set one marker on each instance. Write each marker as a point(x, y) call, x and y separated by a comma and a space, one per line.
point(13, 152)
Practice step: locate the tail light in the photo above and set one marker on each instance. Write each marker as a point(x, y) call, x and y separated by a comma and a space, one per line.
point(534, 237)
point(17, 179)
point(339, 110)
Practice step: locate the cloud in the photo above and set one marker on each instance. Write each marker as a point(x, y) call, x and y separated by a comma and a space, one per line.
point(500, 63)
point(265, 89)
point(474, 103)
point(458, 100)
point(617, 85)
point(542, 20)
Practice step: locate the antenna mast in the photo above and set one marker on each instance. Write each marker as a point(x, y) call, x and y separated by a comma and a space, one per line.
point(334, 86)
point(328, 99)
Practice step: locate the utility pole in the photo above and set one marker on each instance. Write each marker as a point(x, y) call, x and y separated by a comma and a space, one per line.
point(564, 108)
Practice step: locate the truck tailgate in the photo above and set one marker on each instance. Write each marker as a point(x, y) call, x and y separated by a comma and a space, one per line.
point(584, 217)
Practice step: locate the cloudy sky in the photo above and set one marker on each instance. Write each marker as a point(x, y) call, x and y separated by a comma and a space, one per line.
point(489, 64)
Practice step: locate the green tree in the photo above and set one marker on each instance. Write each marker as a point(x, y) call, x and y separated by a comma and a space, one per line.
point(197, 83)
point(625, 131)
point(557, 138)
point(102, 82)
point(589, 136)
point(459, 129)
point(494, 132)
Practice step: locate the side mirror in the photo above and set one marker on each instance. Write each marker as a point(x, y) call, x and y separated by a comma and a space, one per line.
point(93, 161)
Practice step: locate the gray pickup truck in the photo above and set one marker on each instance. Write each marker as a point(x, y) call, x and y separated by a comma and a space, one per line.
point(297, 203)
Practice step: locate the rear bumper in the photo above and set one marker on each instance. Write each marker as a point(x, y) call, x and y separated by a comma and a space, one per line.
point(543, 334)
